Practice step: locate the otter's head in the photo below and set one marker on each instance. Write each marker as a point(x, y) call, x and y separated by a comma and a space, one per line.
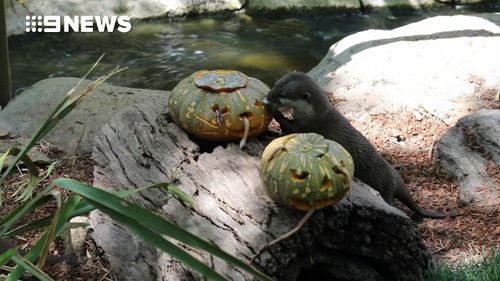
point(297, 92)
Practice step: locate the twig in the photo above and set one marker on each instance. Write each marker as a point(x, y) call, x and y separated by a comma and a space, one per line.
point(284, 236)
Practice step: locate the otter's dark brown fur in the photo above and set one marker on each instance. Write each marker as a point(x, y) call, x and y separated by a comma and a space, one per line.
point(312, 113)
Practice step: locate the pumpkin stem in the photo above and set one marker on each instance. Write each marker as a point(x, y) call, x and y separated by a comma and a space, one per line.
point(245, 135)
point(286, 235)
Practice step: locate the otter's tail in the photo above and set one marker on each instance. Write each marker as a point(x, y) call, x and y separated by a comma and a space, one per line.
point(403, 195)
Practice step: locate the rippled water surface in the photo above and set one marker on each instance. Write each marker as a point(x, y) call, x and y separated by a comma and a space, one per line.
point(161, 52)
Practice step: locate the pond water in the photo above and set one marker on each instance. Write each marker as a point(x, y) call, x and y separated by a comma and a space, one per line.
point(160, 52)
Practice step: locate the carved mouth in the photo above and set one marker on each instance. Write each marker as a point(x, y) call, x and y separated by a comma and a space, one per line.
point(287, 112)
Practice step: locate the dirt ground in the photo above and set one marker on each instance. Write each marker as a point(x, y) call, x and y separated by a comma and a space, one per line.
point(405, 139)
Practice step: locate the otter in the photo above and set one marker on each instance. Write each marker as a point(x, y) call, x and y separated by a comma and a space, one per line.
point(312, 113)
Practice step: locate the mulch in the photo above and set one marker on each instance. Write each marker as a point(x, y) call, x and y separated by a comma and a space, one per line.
point(92, 265)
point(406, 139)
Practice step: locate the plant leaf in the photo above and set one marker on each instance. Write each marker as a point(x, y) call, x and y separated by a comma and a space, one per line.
point(152, 221)
point(156, 240)
point(35, 252)
point(14, 216)
point(51, 230)
point(29, 267)
point(5, 257)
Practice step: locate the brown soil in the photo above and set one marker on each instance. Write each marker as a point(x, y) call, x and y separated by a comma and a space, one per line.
point(405, 140)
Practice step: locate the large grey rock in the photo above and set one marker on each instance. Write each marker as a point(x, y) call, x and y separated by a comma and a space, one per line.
point(439, 65)
point(36, 154)
point(75, 133)
point(470, 153)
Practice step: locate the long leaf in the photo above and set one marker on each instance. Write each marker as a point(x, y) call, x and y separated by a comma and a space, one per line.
point(156, 240)
point(34, 181)
point(49, 123)
point(27, 161)
point(18, 212)
point(31, 268)
point(51, 230)
point(84, 207)
point(36, 251)
point(5, 257)
point(153, 221)
point(62, 109)
point(3, 158)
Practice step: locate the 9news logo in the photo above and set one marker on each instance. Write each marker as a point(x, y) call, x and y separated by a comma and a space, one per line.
point(78, 23)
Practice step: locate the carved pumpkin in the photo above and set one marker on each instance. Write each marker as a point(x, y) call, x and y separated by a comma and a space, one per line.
point(306, 171)
point(220, 105)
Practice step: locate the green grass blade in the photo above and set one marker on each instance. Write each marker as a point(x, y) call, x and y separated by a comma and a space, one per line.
point(178, 193)
point(29, 267)
point(2, 161)
point(3, 158)
point(67, 104)
point(488, 269)
point(41, 132)
point(153, 222)
point(14, 212)
point(34, 181)
point(84, 208)
point(52, 228)
point(156, 240)
point(36, 251)
point(5, 257)
point(34, 176)
point(49, 123)
point(18, 212)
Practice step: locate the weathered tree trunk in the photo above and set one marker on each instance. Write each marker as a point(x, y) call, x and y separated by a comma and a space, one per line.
point(5, 87)
point(369, 240)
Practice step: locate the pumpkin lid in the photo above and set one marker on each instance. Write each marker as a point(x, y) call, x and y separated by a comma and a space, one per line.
point(220, 80)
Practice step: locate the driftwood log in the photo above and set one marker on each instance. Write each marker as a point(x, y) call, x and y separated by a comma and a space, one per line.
point(366, 240)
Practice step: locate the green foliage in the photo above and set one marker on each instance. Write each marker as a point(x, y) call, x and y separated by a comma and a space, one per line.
point(85, 198)
point(486, 270)
point(67, 104)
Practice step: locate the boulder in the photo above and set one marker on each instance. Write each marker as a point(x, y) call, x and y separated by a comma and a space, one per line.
point(38, 154)
point(73, 134)
point(445, 66)
point(470, 153)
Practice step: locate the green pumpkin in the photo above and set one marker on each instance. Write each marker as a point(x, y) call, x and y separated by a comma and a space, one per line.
point(306, 171)
point(215, 105)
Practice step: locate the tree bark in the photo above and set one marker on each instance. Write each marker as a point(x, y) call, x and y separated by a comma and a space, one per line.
point(365, 240)
point(5, 86)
